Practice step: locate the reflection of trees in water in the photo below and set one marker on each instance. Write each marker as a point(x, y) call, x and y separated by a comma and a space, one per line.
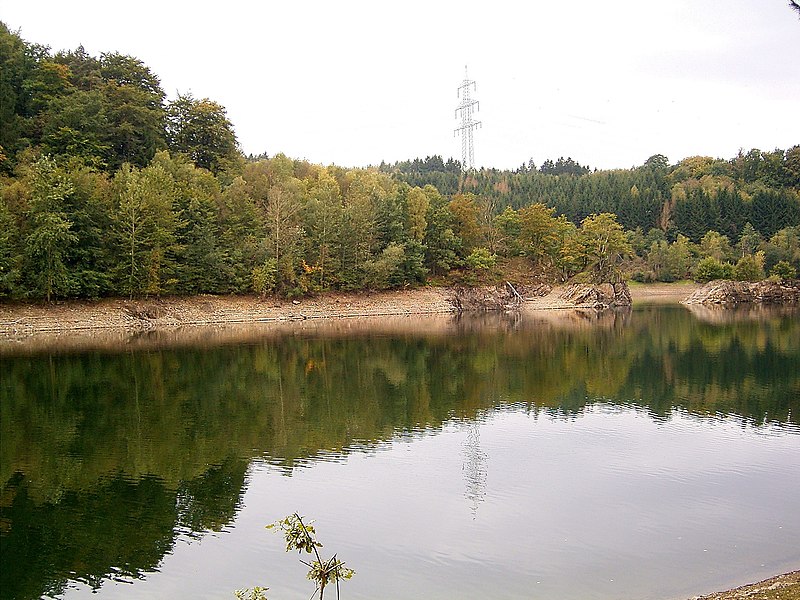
point(73, 420)
point(80, 433)
point(121, 527)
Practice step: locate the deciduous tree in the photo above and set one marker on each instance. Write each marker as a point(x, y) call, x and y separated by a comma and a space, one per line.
point(50, 235)
point(145, 225)
point(201, 130)
point(605, 246)
point(538, 233)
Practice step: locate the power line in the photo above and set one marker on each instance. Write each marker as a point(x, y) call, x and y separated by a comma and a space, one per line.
point(467, 107)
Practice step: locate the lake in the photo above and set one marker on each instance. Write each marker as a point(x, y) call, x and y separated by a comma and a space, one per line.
point(647, 454)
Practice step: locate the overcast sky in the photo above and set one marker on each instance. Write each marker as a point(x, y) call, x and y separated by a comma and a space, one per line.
point(353, 83)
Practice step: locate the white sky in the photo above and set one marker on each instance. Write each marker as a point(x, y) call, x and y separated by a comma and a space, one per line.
point(356, 82)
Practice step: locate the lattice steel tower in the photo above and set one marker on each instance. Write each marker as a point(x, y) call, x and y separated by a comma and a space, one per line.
point(467, 107)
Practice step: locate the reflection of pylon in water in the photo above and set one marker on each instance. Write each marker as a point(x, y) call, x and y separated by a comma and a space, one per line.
point(474, 467)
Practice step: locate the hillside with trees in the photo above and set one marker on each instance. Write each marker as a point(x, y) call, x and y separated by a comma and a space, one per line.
point(108, 188)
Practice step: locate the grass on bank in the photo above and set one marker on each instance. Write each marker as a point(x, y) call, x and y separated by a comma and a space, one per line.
point(782, 587)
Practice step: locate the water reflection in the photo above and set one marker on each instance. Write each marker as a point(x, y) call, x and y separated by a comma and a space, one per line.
point(120, 527)
point(108, 456)
point(475, 469)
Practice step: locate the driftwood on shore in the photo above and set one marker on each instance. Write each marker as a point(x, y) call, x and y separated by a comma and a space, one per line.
point(734, 293)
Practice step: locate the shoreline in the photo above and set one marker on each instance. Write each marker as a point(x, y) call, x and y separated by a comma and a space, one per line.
point(21, 320)
point(116, 324)
point(779, 587)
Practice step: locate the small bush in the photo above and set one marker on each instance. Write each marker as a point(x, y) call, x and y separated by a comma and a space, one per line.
point(265, 277)
point(643, 276)
point(481, 259)
point(710, 268)
point(750, 267)
point(783, 270)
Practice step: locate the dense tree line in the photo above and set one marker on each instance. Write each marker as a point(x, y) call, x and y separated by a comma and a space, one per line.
point(749, 204)
point(690, 198)
point(108, 188)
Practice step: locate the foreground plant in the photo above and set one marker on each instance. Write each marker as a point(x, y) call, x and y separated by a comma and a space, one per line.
point(302, 537)
point(256, 593)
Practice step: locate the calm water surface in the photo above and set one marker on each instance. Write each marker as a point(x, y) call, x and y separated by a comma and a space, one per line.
point(653, 454)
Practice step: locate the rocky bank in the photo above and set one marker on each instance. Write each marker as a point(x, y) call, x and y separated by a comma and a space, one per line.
point(733, 293)
point(20, 320)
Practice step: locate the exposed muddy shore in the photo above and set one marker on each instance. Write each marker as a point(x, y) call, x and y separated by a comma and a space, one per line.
point(18, 319)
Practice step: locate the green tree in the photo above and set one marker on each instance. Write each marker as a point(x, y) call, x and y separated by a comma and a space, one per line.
point(481, 259)
point(783, 270)
point(413, 268)
point(9, 270)
point(466, 220)
point(657, 260)
point(732, 213)
point(135, 112)
point(442, 246)
point(89, 210)
point(198, 255)
point(716, 246)
point(18, 63)
point(538, 233)
point(358, 240)
point(710, 268)
point(693, 214)
point(750, 267)
point(281, 199)
point(772, 210)
point(265, 277)
point(637, 240)
point(750, 240)
point(241, 233)
point(571, 256)
point(48, 81)
point(680, 257)
point(605, 246)
point(417, 205)
point(106, 111)
point(145, 226)
point(508, 227)
point(281, 214)
point(386, 269)
point(77, 126)
point(84, 69)
point(201, 130)
point(657, 162)
point(783, 246)
point(791, 167)
point(50, 235)
point(322, 219)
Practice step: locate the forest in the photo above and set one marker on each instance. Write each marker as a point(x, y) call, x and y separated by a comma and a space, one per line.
point(108, 188)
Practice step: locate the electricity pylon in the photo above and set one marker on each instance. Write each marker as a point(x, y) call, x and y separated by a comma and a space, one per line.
point(467, 107)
